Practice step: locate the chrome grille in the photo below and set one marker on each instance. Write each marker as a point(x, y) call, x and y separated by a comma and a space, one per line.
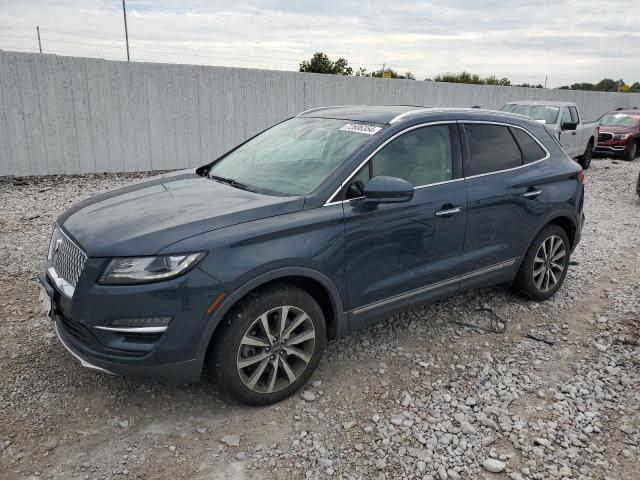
point(67, 259)
point(605, 136)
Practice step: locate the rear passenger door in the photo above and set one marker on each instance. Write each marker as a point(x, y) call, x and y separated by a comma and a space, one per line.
point(506, 195)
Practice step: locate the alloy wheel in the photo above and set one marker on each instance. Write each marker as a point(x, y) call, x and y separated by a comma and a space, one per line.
point(549, 263)
point(276, 349)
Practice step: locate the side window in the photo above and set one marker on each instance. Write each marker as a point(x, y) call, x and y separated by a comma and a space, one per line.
point(491, 148)
point(574, 115)
point(421, 157)
point(531, 150)
point(566, 116)
point(356, 187)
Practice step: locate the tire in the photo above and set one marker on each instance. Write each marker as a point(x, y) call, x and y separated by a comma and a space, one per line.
point(242, 357)
point(585, 159)
point(632, 152)
point(532, 284)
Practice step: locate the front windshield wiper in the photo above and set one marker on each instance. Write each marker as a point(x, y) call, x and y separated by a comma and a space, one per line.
point(231, 181)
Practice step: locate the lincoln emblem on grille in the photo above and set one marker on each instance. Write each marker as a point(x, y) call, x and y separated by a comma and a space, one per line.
point(58, 245)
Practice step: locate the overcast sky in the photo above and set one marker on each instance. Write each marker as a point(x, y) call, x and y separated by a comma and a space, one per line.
point(568, 40)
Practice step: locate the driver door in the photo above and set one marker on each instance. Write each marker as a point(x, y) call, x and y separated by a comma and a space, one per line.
point(567, 137)
point(400, 254)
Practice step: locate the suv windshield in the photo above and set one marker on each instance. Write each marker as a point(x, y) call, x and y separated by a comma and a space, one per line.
point(295, 156)
point(534, 112)
point(618, 120)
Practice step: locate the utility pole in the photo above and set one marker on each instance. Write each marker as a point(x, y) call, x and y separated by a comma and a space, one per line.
point(126, 33)
point(39, 43)
point(383, 67)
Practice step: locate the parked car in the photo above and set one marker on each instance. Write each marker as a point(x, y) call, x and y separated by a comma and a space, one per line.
point(562, 120)
point(619, 134)
point(314, 228)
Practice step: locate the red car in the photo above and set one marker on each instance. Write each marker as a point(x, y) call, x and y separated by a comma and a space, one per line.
point(619, 134)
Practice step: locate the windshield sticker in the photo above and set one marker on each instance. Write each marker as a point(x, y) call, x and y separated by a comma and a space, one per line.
point(360, 128)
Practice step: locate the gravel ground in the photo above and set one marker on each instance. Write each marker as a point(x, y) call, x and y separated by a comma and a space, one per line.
point(427, 394)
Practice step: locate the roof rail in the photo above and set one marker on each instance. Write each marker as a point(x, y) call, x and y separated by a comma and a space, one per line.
point(408, 114)
point(321, 108)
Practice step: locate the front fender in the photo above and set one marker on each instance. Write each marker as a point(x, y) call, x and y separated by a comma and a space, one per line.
point(231, 299)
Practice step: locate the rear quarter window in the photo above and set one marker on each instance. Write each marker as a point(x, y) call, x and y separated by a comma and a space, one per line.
point(531, 150)
point(491, 148)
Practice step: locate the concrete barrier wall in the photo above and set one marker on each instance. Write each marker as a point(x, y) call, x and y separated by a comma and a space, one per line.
point(75, 115)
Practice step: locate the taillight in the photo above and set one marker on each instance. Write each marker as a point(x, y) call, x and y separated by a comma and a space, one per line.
point(581, 177)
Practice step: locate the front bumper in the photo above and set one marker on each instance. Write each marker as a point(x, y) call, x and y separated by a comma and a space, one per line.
point(181, 372)
point(170, 356)
point(613, 147)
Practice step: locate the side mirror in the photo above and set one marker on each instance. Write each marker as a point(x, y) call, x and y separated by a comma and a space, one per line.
point(383, 189)
point(568, 126)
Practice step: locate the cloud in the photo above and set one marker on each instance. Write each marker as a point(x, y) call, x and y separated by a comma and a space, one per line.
point(566, 40)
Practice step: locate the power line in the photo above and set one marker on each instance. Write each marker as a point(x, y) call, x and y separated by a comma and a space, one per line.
point(150, 47)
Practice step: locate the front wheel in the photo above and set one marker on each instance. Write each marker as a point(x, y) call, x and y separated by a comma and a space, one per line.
point(585, 159)
point(632, 152)
point(269, 345)
point(545, 264)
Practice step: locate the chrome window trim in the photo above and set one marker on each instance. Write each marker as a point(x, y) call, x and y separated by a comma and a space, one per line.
point(330, 201)
point(433, 286)
point(409, 113)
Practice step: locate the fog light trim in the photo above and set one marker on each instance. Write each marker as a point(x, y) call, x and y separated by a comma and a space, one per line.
point(134, 329)
point(138, 325)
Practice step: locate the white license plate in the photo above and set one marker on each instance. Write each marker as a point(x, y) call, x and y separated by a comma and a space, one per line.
point(45, 300)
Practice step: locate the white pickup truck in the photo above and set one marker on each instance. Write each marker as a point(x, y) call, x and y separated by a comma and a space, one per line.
point(563, 122)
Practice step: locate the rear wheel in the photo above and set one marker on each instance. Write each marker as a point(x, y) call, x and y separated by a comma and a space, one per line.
point(269, 345)
point(545, 264)
point(632, 152)
point(585, 158)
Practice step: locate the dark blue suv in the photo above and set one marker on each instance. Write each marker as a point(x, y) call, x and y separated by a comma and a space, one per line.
point(316, 227)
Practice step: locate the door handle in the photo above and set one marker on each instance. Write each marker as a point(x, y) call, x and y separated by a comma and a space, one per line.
point(448, 212)
point(532, 194)
point(573, 133)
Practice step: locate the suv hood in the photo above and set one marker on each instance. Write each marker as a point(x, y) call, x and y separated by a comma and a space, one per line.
point(144, 217)
point(616, 129)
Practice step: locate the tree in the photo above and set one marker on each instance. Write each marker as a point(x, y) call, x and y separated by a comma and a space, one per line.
point(530, 85)
point(604, 85)
point(472, 78)
point(362, 72)
point(321, 63)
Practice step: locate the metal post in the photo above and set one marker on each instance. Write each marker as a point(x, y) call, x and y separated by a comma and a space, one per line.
point(39, 43)
point(126, 33)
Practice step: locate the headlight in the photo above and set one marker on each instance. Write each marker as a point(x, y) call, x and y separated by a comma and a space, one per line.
point(125, 271)
point(621, 136)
